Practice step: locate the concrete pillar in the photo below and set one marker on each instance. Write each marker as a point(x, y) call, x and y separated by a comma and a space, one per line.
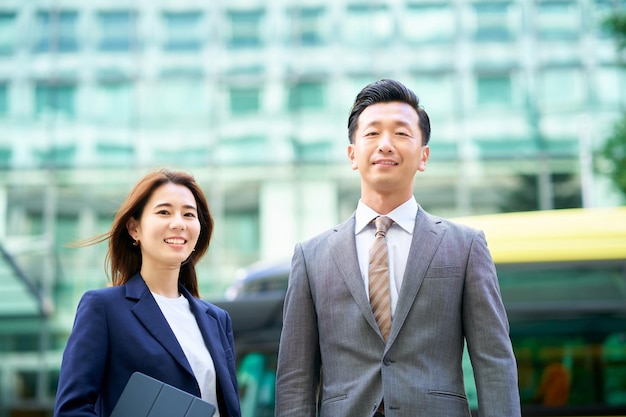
point(294, 211)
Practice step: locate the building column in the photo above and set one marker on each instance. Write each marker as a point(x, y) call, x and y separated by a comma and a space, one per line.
point(292, 211)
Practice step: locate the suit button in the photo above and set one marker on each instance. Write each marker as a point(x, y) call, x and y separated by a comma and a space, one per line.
point(386, 361)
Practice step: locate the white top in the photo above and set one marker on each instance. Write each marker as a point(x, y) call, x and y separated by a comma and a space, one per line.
point(399, 238)
point(183, 323)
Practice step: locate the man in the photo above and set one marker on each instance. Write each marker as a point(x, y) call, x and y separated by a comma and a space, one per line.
point(441, 289)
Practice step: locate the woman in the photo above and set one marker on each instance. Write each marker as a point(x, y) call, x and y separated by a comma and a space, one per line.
point(151, 318)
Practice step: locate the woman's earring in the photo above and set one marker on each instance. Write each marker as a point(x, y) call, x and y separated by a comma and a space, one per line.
point(136, 242)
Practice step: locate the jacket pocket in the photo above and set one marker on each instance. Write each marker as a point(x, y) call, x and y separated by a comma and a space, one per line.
point(335, 398)
point(447, 394)
point(443, 272)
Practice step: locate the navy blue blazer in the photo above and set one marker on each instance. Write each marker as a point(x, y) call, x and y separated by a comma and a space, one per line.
point(120, 330)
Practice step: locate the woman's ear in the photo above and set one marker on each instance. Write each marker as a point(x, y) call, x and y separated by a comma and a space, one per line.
point(131, 226)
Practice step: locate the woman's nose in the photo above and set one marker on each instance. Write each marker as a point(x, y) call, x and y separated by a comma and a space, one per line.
point(177, 222)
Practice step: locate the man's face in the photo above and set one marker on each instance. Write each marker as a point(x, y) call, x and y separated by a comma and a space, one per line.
point(387, 148)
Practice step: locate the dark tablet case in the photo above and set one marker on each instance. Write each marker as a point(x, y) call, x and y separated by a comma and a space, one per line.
point(145, 396)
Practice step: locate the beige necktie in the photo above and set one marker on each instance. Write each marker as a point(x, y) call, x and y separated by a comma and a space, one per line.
point(379, 277)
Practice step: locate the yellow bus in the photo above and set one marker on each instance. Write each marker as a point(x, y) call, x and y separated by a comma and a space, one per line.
point(562, 275)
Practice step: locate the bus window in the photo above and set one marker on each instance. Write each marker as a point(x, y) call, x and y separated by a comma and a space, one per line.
point(568, 322)
point(613, 358)
point(256, 375)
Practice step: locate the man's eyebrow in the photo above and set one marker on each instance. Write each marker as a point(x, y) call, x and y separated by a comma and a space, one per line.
point(396, 122)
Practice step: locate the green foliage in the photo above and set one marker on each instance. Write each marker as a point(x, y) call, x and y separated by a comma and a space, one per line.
point(614, 152)
point(616, 25)
point(525, 197)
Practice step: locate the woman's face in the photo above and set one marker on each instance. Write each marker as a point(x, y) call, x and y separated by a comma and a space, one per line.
point(168, 229)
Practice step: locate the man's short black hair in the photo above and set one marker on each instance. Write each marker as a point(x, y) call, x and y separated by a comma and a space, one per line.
point(387, 91)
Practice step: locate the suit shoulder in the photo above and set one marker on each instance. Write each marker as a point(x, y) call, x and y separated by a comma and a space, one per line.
point(451, 225)
point(320, 237)
point(213, 309)
point(108, 293)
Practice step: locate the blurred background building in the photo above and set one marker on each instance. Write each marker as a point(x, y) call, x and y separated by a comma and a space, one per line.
point(252, 97)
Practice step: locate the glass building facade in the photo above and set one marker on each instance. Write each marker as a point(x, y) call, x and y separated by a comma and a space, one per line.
point(252, 97)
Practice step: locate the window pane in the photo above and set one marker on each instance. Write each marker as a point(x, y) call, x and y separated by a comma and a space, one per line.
point(257, 373)
point(117, 30)
point(55, 100)
point(4, 100)
point(7, 32)
point(558, 20)
point(243, 150)
point(187, 156)
point(436, 92)
point(66, 230)
point(306, 26)
point(114, 102)
point(6, 153)
point(175, 100)
point(558, 286)
point(61, 156)
point(111, 154)
point(244, 100)
point(317, 152)
point(499, 148)
point(428, 23)
point(610, 84)
point(494, 21)
point(561, 88)
point(494, 90)
point(56, 31)
point(567, 319)
point(366, 26)
point(306, 95)
point(241, 231)
point(183, 31)
point(245, 28)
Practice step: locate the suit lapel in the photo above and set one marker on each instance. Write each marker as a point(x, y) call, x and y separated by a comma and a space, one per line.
point(427, 235)
point(343, 249)
point(148, 313)
point(210, 333)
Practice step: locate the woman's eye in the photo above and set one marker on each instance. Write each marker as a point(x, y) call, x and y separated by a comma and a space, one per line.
point(190, 214)
point(163, 212)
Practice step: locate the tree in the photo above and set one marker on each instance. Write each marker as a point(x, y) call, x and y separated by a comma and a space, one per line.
point(614, 153)
point(614, 150)
point(615, 24)
point(525, 196)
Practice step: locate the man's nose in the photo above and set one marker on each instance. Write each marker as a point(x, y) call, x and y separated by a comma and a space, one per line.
point(384, 143)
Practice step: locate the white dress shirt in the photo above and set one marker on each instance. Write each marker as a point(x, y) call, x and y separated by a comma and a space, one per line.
point(183, 323)
point(399, 238)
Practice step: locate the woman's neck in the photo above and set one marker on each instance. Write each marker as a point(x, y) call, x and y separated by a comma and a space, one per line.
point(162, 281)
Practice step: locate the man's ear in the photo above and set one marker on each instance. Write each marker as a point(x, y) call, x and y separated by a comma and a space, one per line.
point(351, 156)
point(424, 158)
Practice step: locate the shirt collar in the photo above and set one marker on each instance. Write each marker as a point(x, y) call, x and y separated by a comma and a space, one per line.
point(403, 216)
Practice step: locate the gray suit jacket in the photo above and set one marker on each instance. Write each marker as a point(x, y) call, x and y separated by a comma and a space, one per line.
point(332, 354)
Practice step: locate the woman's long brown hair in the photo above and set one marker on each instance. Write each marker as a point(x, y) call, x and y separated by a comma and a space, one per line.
point(123, 259)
